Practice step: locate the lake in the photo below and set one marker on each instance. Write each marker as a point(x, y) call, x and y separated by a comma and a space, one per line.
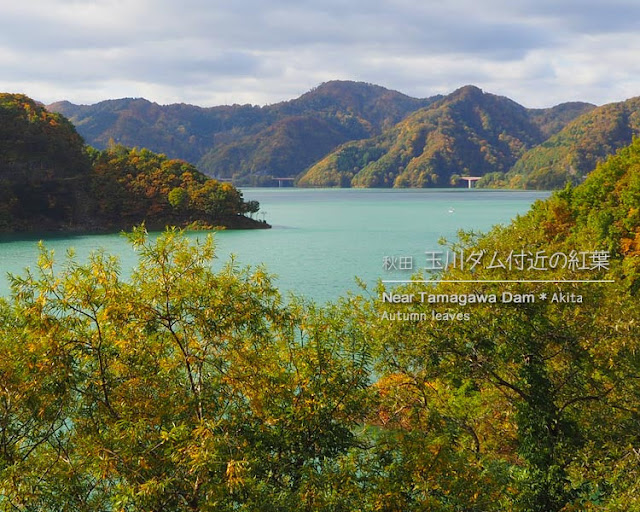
point(321, 238)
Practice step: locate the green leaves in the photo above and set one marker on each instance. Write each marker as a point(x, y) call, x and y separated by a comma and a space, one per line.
point(180, 389)
point(540, 396)
point(133, 186)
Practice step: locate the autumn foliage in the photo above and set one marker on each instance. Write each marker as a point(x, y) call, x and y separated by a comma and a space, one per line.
point(52, 181)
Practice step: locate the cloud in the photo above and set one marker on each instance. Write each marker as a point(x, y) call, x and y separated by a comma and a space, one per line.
point(210, 52)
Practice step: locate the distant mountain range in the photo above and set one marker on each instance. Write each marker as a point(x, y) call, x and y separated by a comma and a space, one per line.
point(465, 133)
point(356, 134)
point(243, 142)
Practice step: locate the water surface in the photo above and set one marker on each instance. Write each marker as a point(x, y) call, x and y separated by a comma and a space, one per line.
point(321, 238)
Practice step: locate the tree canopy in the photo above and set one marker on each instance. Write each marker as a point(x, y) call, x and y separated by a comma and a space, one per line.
point(52, 181)
point(182, 388)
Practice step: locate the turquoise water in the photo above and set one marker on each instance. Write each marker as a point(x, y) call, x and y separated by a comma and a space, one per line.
point(321, 238)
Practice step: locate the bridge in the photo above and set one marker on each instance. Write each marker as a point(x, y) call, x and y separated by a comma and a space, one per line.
point(281, 180)
point(470, 179)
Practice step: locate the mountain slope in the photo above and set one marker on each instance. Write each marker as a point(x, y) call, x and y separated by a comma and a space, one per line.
point(466, 133)
point(51, 181)
point(44, 170)
point(574, 151)
point(281, 150)
point(313, 125)
point(179, 130)
point(552, 120)
point(558, 374)
point(244, 140)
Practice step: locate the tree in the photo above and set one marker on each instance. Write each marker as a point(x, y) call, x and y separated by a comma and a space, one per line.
point(183, 389)
point(178, 198)
point(540, 396)
point(251, 207)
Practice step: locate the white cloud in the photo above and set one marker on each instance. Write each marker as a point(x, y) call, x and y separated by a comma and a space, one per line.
point(539, 52)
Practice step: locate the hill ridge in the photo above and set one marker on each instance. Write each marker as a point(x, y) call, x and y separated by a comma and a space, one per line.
point(293, 138)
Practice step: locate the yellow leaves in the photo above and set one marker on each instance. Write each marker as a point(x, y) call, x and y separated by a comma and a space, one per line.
point(136, 411)
point(398, 396)
point(391, 382)
point(559, 218)
point(236, 473)
point(630, 246)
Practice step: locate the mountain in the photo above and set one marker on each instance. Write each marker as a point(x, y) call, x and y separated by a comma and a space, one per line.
point(468, 132)
point(52, 181)
point(44, 169)
point(345, 133)
point(281, 150)
point(574, 151)
point(179, 130)
point(552, 120)
point(247, 142)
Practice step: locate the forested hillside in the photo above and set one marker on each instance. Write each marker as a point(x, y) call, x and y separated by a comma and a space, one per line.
point(573, 152)
point(466, 133)
point(185, 389)
point(355, 134)
point(44, 170)
point(52, 181)
point(130, 186)
point(247, 142)
point(525, 406)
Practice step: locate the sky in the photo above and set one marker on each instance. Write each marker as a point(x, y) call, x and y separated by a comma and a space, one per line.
point(209, 52)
